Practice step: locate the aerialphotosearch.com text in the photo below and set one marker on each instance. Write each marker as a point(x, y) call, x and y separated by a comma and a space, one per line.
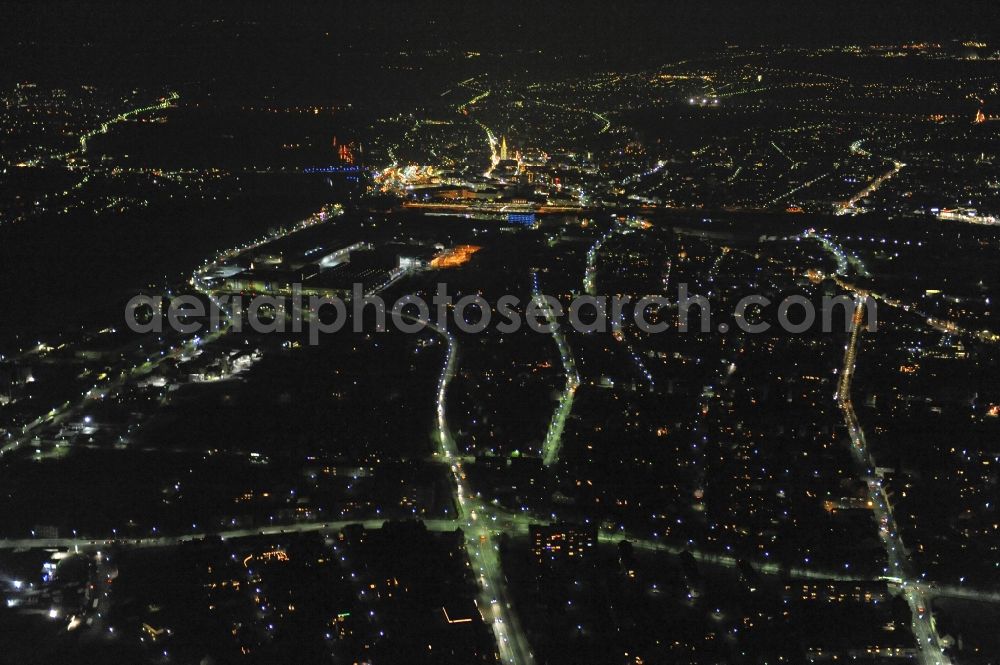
point(317, 315)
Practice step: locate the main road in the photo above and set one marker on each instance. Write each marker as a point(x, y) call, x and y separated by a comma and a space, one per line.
point(553, 437)
point(479, 524)
point(928, 641)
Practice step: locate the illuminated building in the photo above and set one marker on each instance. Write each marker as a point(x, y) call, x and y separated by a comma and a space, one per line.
point(522, 218)
point(837, 592)
point(455, 256)
point(561, 542)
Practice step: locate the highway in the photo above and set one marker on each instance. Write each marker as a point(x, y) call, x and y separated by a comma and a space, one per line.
point(491, 521)
point(168, 541)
